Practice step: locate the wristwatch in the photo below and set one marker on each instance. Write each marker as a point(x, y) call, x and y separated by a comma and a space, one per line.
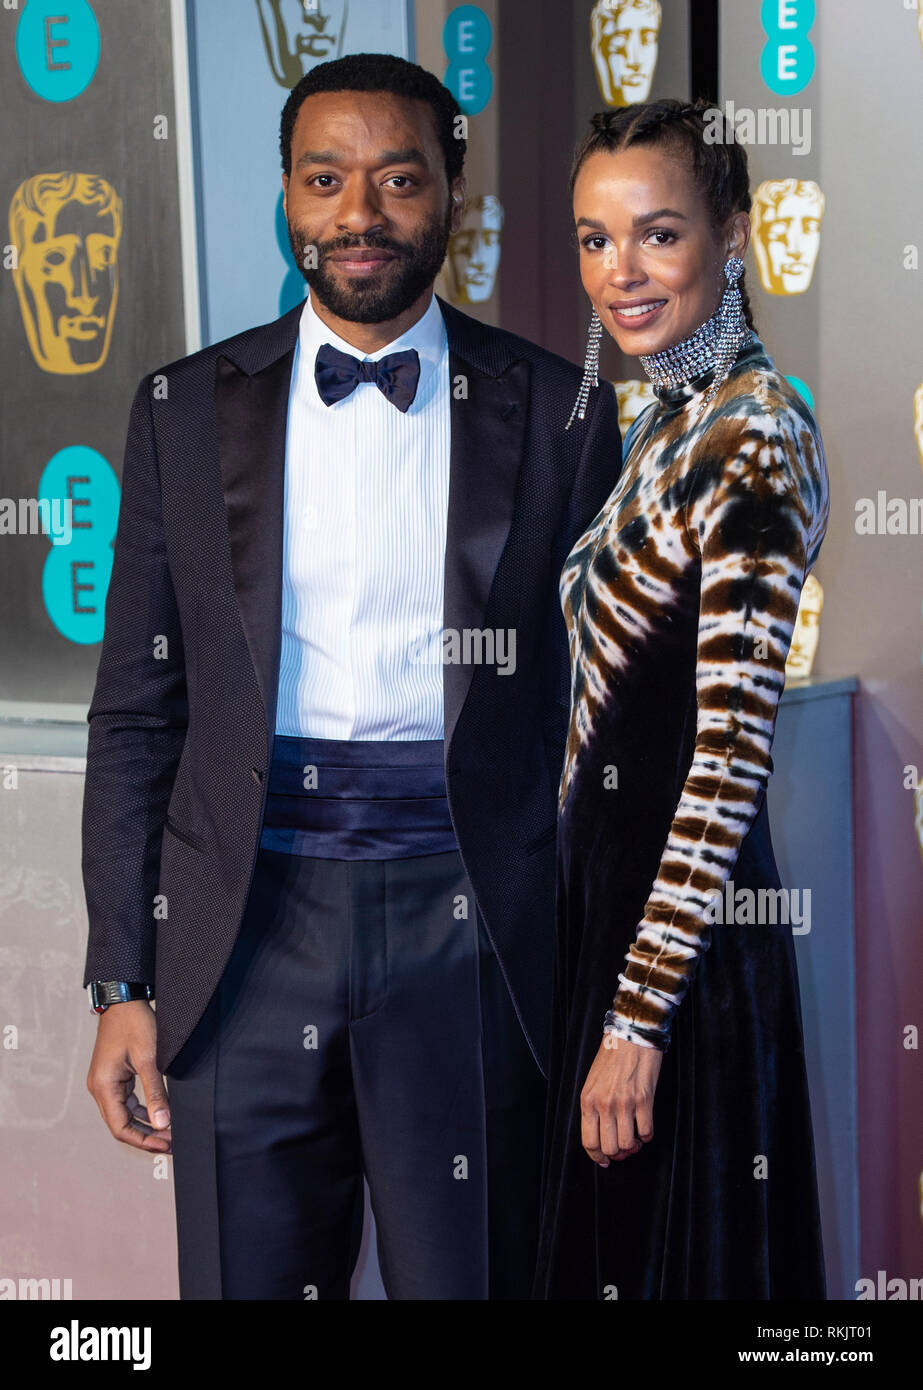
point(105, 992)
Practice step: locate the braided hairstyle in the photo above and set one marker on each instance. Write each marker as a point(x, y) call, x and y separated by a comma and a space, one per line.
point(719, 169)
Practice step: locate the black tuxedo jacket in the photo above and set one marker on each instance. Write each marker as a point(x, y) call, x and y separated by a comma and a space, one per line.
point(182, 717)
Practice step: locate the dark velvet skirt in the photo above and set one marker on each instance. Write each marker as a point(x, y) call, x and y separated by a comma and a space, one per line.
point(722, 1202)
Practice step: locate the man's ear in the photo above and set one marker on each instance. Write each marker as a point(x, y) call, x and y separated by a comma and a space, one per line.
point(458, 194)
point(285, 195)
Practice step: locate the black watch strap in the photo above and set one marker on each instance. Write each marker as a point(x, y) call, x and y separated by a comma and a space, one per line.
point(105, 992)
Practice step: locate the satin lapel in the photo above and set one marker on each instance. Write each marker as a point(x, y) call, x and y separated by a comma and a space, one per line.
point(488, 431)
point(252, 412)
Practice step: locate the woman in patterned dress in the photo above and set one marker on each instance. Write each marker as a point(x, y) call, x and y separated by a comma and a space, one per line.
point(679, 1159)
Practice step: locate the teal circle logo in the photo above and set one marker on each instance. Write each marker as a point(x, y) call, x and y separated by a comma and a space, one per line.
point(78, 496)
point(57, 47)
point(466, 38)
point(787, 60)
point(294, 287)
point(803, 389)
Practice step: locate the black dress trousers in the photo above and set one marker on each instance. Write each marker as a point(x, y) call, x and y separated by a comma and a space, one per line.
point(362, 1027)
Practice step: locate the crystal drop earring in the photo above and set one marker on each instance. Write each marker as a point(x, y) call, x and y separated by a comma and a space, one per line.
point(590, 370)
point(732, 327)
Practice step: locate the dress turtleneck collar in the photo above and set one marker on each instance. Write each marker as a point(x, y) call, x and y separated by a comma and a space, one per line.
point(681, 392)
point(687, 368)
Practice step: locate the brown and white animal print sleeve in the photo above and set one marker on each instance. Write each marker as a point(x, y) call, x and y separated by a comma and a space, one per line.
point(755, 514)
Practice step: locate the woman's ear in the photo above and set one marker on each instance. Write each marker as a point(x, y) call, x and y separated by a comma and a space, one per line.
point(738, 234)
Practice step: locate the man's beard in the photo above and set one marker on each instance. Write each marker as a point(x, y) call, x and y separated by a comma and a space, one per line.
point(416, 265)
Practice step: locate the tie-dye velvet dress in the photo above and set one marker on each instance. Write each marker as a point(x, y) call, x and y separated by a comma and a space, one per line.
point(680, 601)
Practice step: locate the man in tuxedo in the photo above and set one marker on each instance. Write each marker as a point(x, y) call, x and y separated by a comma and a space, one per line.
point(326, 740)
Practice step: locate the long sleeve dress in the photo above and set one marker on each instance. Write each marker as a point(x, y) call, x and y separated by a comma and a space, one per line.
point(680, 601)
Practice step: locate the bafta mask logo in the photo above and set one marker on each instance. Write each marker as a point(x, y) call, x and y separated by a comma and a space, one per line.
point(624, 37)
point(66, 230)
point(918, 419)
point(473, 257)
point(40, 950)
point(299, 33)
point(786, 217)
point(801, 653)
point(633, 397)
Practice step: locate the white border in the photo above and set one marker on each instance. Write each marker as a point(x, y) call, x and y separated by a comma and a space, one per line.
point(185, 176)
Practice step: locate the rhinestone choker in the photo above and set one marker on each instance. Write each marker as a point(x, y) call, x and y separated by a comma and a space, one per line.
point(714, 344)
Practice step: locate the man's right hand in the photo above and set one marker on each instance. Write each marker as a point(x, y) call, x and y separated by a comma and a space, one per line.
point(126, 1044)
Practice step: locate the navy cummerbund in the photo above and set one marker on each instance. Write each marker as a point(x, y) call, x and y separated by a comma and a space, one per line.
point(357, 799)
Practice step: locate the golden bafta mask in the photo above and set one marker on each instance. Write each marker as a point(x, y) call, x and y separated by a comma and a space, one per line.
point(801, 653)
point(473, 256)
point(299, 33)
point(40, 945)
point(633, 397)
point(918, 814)
point(624, 38)
point(918, 419)
point(66, 230)
point(786, 218)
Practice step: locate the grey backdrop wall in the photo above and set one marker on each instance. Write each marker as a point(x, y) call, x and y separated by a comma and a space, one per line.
point(856, 338)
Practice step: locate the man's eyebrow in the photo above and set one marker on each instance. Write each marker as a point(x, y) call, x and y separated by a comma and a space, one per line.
point(317, 157)
point(408, 156)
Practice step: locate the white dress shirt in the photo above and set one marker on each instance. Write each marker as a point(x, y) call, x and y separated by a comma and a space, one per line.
point(366, 501)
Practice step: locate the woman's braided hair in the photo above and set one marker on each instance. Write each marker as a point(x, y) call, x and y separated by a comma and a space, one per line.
point(719, 169)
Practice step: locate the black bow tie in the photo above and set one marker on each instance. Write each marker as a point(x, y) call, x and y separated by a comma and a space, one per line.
point(339, 373)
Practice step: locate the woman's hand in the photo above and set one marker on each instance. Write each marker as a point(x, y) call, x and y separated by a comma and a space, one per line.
point(617, 1100)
